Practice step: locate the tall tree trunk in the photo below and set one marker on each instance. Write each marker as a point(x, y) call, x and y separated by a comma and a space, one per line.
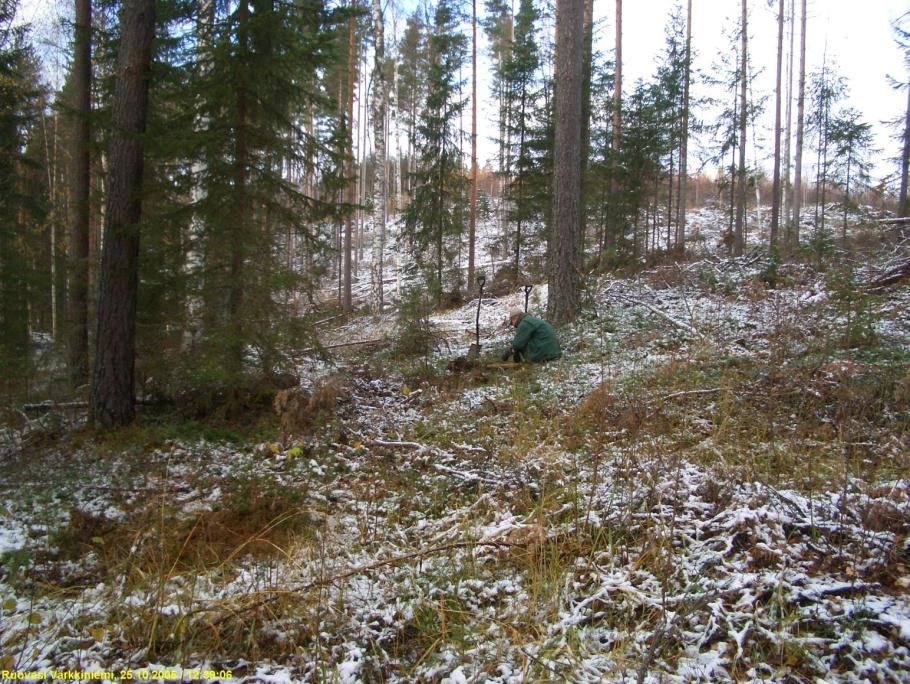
point(80, 188)
point(565, 237)
point(241, 220)
point(379, 158)
point(112, 392)
point(347, 303)
point(787, 188)
point(472, 215)
point(800, 134)
point(684, 146)
point(588, 28)
point(903, 209)
point(775, 193)
point(612, 228)
point(739, 233)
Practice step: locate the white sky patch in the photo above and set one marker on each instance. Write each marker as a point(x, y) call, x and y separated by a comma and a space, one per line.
point(861, 43)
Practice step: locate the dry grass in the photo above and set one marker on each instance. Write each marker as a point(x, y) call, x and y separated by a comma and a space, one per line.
point(300, 411)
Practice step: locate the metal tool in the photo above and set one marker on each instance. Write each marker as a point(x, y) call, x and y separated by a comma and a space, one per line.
point(528, 289)
point(481, 280)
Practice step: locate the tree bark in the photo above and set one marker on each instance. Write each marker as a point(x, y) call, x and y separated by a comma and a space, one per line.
point(787, 188)
point(684, 144)
point(739, 231)
point(610, 237)
point(80, 189)
point(775, 193)
point(379, 163)
point(472, 216)
point(565, 238)
point(112, 392)
point(800, 134)
point(347, 303)
point(588, 28)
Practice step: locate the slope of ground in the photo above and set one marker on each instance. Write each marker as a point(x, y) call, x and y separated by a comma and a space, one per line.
point(711, 485)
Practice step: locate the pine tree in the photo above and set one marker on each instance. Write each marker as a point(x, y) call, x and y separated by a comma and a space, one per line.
point(472, 217)
point(112, 391)
point(796, 204)
point(684, 136)
point(566, 240)
point(80, 179)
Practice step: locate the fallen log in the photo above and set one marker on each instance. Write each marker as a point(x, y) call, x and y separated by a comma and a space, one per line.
point(45, 406)
point(891, 277)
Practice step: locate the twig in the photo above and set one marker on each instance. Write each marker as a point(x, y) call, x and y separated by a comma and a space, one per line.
point(330, 318)
point(688, 393)
point(275, 594)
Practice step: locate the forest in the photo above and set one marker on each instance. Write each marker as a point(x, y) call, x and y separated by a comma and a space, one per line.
point(260, 263)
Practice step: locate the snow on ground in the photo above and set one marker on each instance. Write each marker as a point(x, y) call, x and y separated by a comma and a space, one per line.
point(501, 527)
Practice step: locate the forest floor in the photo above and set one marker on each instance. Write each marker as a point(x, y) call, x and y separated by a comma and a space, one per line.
point(712, 484)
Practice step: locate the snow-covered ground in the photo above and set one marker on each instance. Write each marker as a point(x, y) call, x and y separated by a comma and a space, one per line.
point(691, 494)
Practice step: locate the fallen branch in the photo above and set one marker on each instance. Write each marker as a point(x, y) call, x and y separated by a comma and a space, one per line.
point(275, 594)
point(330, 318)
point(690, 393)
point(892, 276)
point(45, 406)
point(653, 309)
point(380, 340)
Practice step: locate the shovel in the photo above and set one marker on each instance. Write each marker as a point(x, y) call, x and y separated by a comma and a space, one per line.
point(474, 350)
point(528, 289)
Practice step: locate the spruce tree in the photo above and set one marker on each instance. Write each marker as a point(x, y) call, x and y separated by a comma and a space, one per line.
point(826, 89)
point(22, 198)
point(520, 78)
point(852, 141)
point(432, 218)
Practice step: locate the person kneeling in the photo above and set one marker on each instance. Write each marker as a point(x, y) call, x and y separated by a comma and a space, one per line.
point(535, 339)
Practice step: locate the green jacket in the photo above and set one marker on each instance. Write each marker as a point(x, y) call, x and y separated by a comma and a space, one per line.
point(536, 340)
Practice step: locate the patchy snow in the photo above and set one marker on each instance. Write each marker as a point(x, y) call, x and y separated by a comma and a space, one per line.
point(470, 528)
